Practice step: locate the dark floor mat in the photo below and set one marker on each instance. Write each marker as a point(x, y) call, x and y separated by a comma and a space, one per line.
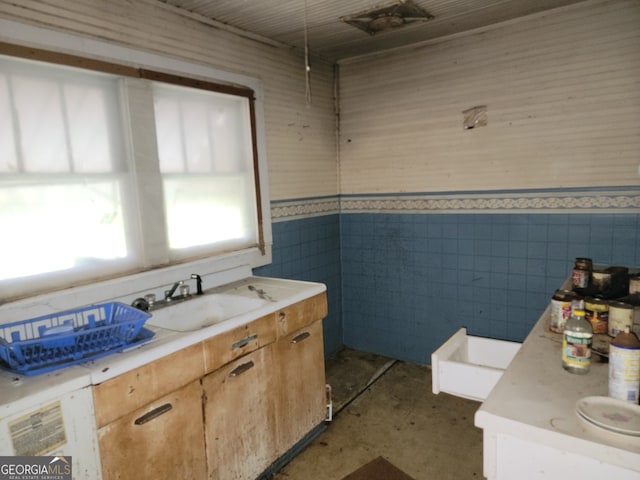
point(378, 469)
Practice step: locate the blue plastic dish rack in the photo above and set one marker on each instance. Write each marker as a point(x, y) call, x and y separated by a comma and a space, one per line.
point(50, 342)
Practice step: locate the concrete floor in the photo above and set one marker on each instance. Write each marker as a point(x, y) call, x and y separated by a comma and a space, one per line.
point(386, 408)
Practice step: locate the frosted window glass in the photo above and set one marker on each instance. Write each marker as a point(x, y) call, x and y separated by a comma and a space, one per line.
point(8, 153)
point(61, 170)
point(48, 228)
point(103, 175)
point(206, 161)
point(204, 210)
point(59, 119)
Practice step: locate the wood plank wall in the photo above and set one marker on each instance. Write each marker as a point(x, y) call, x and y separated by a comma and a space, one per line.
point(300, 138)
point(562, 90)
point(563, 95)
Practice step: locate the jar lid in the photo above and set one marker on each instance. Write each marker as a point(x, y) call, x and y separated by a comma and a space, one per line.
point(594, 301)
point(616, 304)
point(626, 339)
point(583, 259)
point(565, 295)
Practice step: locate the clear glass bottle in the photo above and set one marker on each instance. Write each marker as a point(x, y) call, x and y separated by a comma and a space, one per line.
point(576, 344)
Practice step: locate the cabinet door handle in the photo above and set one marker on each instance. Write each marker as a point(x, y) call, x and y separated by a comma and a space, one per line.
point(156, 412)
point(239, 370)
point(299, 338)
point(244, 341)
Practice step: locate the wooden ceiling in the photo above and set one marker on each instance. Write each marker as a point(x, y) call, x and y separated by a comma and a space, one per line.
point(318, 24)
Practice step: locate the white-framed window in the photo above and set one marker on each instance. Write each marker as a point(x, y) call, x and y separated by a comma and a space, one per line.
point(206, 162)
point(104, 174)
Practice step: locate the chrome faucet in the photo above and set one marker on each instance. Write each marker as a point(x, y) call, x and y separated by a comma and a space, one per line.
point(179, 291)
point(168, 294)
point(198, 280)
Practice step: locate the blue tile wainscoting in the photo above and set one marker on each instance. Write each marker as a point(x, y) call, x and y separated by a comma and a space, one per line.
point(306, 246)
point(404, 272)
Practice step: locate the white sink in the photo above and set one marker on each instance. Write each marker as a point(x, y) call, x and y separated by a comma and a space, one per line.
point(260, 295)
point(203, 311)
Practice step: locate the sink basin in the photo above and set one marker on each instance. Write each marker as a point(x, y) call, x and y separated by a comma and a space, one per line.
point(203, 311)
point(228, 301)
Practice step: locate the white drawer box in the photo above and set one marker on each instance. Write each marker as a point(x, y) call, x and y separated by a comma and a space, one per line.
point(469, 367)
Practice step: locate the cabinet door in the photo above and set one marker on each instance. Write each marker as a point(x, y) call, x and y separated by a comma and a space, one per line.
point(300, 395)
point(240, 418)
point(164, 439)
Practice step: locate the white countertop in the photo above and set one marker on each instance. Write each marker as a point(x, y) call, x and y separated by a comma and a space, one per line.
point(284, 292)
point(536, 398)
point(18, 392)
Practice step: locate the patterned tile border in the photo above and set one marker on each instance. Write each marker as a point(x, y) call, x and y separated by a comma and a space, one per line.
point(304, 208)
point(539, 202)
point(594, 201)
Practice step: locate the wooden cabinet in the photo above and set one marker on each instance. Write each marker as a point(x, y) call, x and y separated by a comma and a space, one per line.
point(300, 396)
point(240, 417)
point(150, 421)
point(165, 439)
point(301, 314)
point(226, 408)
point(263, 403)
point(136, 388)
point(228, 346)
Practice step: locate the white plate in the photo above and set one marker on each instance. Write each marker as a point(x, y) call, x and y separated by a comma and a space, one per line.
point(611, 414)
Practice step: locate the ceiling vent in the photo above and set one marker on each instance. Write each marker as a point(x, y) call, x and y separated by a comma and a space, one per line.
point(398, 14)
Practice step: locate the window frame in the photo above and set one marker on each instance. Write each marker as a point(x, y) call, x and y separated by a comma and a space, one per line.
point(34, 43)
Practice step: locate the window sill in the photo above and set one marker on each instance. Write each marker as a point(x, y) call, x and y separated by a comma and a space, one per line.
point(215, 271)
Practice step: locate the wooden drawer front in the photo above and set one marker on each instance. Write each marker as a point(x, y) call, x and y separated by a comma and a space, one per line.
point(164, 439)
point(130, 391)
point(228, 346)
point(301, 314)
